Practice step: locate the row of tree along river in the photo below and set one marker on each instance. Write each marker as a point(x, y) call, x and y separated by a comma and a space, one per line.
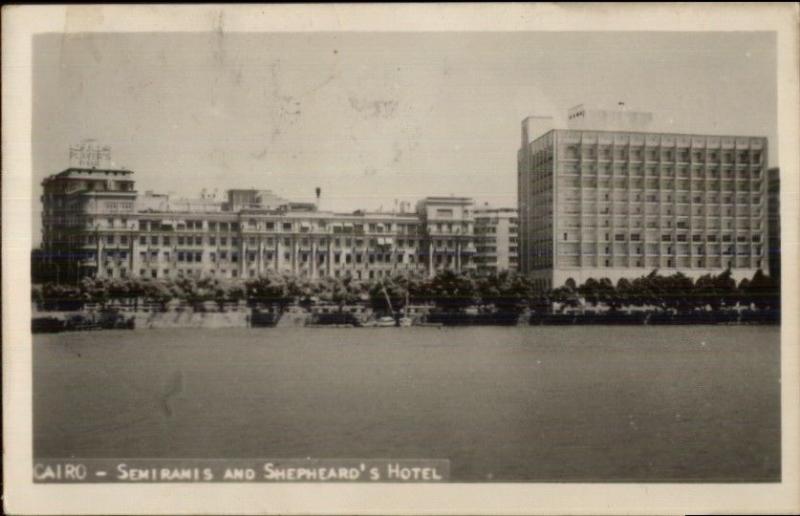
point(450, 299)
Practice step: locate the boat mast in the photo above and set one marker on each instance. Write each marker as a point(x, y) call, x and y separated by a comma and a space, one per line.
point(388, 301)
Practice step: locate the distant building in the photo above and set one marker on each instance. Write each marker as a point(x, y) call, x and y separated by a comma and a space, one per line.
point(605, 202)
point(774, 221)
point(496, 239)
point(96, 225)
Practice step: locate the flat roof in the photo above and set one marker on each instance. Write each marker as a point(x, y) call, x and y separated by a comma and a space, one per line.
point(82, 170)
point(651, 133)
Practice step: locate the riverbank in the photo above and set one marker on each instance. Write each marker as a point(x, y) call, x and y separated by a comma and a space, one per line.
point(54, 322)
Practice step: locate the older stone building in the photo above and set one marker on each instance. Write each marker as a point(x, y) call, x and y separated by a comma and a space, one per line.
point(96, 224)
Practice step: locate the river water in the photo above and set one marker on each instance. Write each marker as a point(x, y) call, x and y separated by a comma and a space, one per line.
point(699, 403)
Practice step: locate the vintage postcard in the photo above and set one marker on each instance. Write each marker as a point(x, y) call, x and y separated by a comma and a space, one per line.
point(400, 259)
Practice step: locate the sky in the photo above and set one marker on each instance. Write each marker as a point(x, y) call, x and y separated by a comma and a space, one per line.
point(373, 117)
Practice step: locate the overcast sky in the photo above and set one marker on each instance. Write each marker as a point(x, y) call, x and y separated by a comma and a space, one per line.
point(373, 117)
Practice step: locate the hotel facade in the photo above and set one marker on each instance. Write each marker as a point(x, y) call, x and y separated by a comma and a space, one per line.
point(95, 224)
point(605, 198)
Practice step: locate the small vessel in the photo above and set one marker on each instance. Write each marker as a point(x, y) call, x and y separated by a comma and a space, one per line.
point(385, 322)
point(405, 321)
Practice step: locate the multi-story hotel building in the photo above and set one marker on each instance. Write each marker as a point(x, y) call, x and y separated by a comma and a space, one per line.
point(604, 198)
point(96, 224)
point(496, 239)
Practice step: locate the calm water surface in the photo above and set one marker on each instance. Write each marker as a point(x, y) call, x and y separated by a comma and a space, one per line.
point(503, 404)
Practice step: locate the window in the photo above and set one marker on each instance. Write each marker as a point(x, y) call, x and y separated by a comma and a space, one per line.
point(166, 240)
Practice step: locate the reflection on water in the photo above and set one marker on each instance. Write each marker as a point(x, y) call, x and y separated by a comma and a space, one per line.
point(503, 404)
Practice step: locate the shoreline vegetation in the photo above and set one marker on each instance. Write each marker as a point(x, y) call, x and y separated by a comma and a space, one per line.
point(447, 299)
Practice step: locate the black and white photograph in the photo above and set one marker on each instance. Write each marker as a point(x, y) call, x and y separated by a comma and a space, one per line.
point(473, 258)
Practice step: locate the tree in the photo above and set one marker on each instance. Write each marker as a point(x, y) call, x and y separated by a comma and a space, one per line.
point(625, 292)
point(451, 291)
point(268, 289)
point(763, 291)
point(590, 290)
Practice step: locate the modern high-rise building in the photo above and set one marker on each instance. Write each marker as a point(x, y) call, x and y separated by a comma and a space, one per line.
point(496, 239)
point(96, 224)
point(774, 221)
point(614, 201)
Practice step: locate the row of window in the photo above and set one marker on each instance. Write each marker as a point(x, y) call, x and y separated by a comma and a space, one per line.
point(681, 155)
point(304, 227)
point(574, 194)
point(670, 262)
point(155, 240)
point(667, 237)
point(184, 273)
point(197, 257)
point(668, 250)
